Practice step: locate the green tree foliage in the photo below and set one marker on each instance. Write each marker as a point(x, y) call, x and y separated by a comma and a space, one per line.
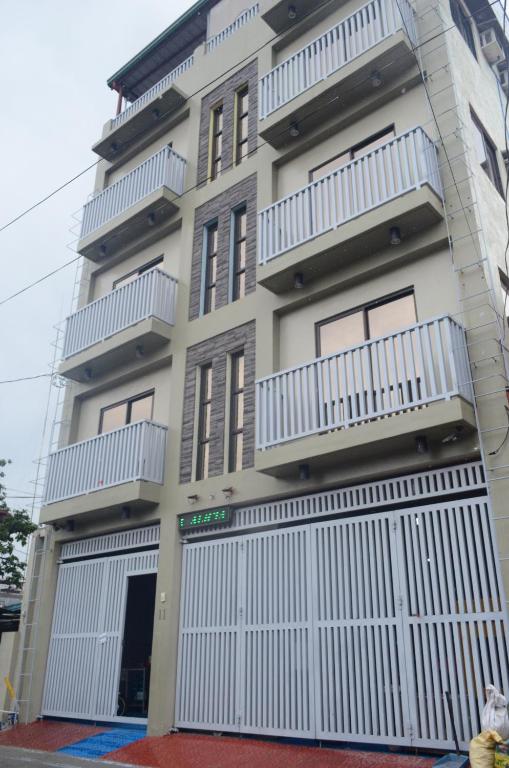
point(15, 528)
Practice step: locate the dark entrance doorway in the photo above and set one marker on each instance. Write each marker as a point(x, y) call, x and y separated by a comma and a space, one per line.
point(137, 646)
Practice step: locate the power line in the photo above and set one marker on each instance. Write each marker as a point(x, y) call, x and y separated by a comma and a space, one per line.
point(48, 196)
point(232, 163)
point(40, 280)
point(26, 378)
point(206, 85)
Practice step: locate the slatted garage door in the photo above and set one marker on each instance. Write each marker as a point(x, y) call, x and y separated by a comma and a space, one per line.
point(348, 630)
point(83, 668)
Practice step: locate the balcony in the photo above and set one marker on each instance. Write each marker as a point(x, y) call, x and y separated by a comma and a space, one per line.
point(124, 467)
point(349, 212)
point(384, 389)
point(143, 199)
point(160, 101)
point(108, 332)
point(243, 18)
point(336, 68)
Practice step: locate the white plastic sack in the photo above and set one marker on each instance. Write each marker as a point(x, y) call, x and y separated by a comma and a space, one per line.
point(494, 715)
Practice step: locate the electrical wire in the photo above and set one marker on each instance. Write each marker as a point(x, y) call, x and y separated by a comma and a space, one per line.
point(205, 86)
point(39, 280)
point(26, 378)
point(232, 164)
point(49, 196)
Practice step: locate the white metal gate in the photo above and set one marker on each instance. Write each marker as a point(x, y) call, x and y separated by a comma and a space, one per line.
point(83, 669)
point(348, 630)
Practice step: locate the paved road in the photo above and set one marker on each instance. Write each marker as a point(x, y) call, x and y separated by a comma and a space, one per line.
point(13, 757)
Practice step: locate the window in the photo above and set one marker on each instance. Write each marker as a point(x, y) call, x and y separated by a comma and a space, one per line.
point(351, 154)
point(126, 412)
point(375, 319)
point(460, 18)
point(216, 142)
point(236, 442)
point(202, 464)
point(504, 284)
point(487, 154)
point(210, 268)
point(241, 126)
point(239, 226)
point(137, 272)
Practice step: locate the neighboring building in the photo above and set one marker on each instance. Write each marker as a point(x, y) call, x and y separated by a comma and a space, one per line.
point(291, 330)
point(10, 607)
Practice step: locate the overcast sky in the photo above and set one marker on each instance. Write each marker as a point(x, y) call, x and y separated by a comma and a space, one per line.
point(55, 57)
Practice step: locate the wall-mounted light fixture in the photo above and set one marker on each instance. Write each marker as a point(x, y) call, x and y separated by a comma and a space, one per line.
point(395, 236)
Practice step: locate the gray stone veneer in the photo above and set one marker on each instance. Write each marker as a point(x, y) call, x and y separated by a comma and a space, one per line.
point(220, 208)
point(215, 351)
point(225, 93)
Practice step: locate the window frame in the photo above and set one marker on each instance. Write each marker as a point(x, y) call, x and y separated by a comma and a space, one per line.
point(463, 24)
point(239, 142)
point(129, 402)
point(351, 151)
point(235, 241)
point(152, 264)
point(234, 430)
point(215, 134)
point(201, 441)
point(490, 166)
point(364, 308)
point(205, 304)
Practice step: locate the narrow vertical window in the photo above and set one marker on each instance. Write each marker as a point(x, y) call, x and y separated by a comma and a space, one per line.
point(242, 111)
point(203, 455)
point(239, 253)
point(236, 413)
point(210, 268)
point(486, 154)
point(462, 21)
point(216, 144)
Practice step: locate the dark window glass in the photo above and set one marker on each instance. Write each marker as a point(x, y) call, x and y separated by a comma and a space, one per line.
point(241, 150)
point(462, 21)
point(487, 154)
point(236, 413)
point(210, 268)
point(369, 322)
point(351, 154)
point(202, 466)
point(239, 253)
point(137, 272)
point(128, 411)
point(504, 284)
point(216, 148)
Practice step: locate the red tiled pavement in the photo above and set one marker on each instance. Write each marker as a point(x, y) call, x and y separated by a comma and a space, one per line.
point(47, 735)
point(186, 750)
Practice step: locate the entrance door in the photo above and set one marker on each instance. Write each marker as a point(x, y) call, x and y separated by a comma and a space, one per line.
point(83, 669)
point(134, 686)
point(350, 630)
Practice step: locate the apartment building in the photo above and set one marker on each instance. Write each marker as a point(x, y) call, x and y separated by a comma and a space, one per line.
point(278, 506)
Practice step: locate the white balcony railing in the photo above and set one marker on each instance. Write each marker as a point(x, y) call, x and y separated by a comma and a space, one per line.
point(153, 294)
point(164, 169)
point(228, 31)
point(338, 46)
point(388, 375)
point(134, 452)
point(152, 93)
point(404, 163)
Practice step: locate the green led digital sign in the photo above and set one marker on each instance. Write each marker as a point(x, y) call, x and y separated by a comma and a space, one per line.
point(189, 520)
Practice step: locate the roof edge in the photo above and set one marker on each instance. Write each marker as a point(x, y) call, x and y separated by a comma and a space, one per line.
point(155, 42)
